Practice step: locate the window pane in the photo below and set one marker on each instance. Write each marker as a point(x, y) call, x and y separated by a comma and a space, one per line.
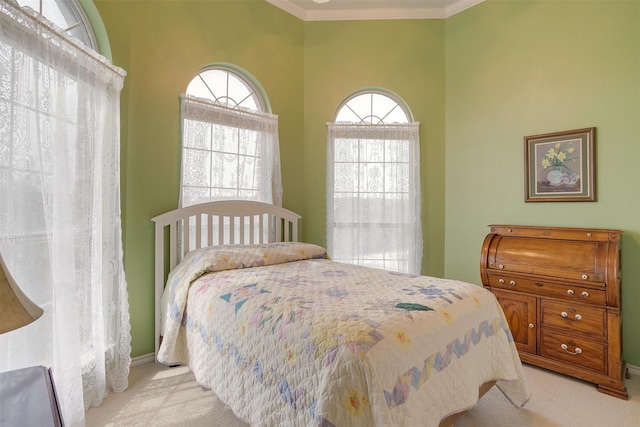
point(197, 135)
point(197, 167)
point(371, 150)
point(225, 139)
point(246, 172)
point(396, 116)
point(381, 105)
point(348, 116)
point(371, 179)
point(346, 150)
point(396, 151)
point(345, 177)
point(215, 82)
point(199, 89)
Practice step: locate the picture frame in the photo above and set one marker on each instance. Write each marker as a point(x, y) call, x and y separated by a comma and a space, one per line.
point(560, 167)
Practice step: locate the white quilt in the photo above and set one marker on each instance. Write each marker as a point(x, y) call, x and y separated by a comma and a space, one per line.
point(289, 338)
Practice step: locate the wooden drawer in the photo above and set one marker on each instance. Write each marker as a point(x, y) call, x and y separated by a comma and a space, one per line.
point(543, 288)
point(576, 351)
point(573, 317)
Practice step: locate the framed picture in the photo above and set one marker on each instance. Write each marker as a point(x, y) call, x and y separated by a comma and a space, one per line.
point(559, 167)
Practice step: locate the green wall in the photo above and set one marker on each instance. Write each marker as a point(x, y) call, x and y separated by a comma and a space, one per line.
point(477, 82)
point(162, 45)
point(521, 68)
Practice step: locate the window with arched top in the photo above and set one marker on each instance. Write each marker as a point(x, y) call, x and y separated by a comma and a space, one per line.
point(67, 15)
point(373, 183)
point(230, 146)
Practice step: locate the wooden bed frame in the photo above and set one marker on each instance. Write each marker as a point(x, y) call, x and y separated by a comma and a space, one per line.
point(243, 222)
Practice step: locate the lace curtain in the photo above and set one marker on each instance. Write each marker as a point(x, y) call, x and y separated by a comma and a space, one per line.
point(228, 154)
point(60, 230)
point(373, 196)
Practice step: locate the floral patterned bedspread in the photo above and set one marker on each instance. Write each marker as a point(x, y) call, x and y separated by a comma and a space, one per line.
point(287, 337)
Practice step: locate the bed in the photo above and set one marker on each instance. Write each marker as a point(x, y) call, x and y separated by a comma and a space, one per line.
point(285, 336)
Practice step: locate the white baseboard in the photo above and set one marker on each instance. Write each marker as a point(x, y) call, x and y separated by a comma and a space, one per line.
point(141, 360)
point(634, 370)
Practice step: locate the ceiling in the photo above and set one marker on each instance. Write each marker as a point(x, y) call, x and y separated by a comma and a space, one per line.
point(337, 10)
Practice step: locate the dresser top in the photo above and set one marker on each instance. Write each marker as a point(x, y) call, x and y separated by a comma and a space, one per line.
point(562, 233)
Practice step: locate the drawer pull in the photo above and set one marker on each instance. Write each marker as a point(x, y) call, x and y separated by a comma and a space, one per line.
point(511, 284)
point(585, 277)
point(584, 294)
point(500, 266)
point(531, 326)
point(565, 347)
point(566, 315)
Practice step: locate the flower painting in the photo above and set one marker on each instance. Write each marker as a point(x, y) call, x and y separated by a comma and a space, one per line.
point(559, 166)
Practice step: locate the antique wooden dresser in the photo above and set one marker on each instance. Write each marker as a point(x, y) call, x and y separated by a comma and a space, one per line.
point(560, 291)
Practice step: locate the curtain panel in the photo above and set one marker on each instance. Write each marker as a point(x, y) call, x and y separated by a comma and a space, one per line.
point(228, 153)
point(60, 226)
point(373, 195)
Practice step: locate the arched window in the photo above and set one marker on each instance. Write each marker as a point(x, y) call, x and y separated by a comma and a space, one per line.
point(373, 184)
point(67, 15)
point(230, 147)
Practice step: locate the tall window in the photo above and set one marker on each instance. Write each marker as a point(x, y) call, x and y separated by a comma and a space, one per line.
point(373, 184)
point(60, 226)
point(230, 147)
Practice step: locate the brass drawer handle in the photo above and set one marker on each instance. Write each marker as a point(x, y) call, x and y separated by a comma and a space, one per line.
point(565, 347)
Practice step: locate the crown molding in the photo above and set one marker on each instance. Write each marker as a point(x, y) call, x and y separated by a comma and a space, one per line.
point(374, 14)
point(459, 6)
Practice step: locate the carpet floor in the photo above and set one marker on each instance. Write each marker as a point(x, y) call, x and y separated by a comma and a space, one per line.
point(161, 396)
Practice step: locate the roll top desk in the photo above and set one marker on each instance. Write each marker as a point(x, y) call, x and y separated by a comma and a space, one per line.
point(560, 289)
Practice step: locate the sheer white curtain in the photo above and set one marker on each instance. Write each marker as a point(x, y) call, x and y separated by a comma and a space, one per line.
point(373, 195)
point(228, 153)
point(60, 230)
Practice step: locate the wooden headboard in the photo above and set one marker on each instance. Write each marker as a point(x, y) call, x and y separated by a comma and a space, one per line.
point(215, 223)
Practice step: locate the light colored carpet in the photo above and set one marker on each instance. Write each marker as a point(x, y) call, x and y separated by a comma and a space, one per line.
point(161, 396)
